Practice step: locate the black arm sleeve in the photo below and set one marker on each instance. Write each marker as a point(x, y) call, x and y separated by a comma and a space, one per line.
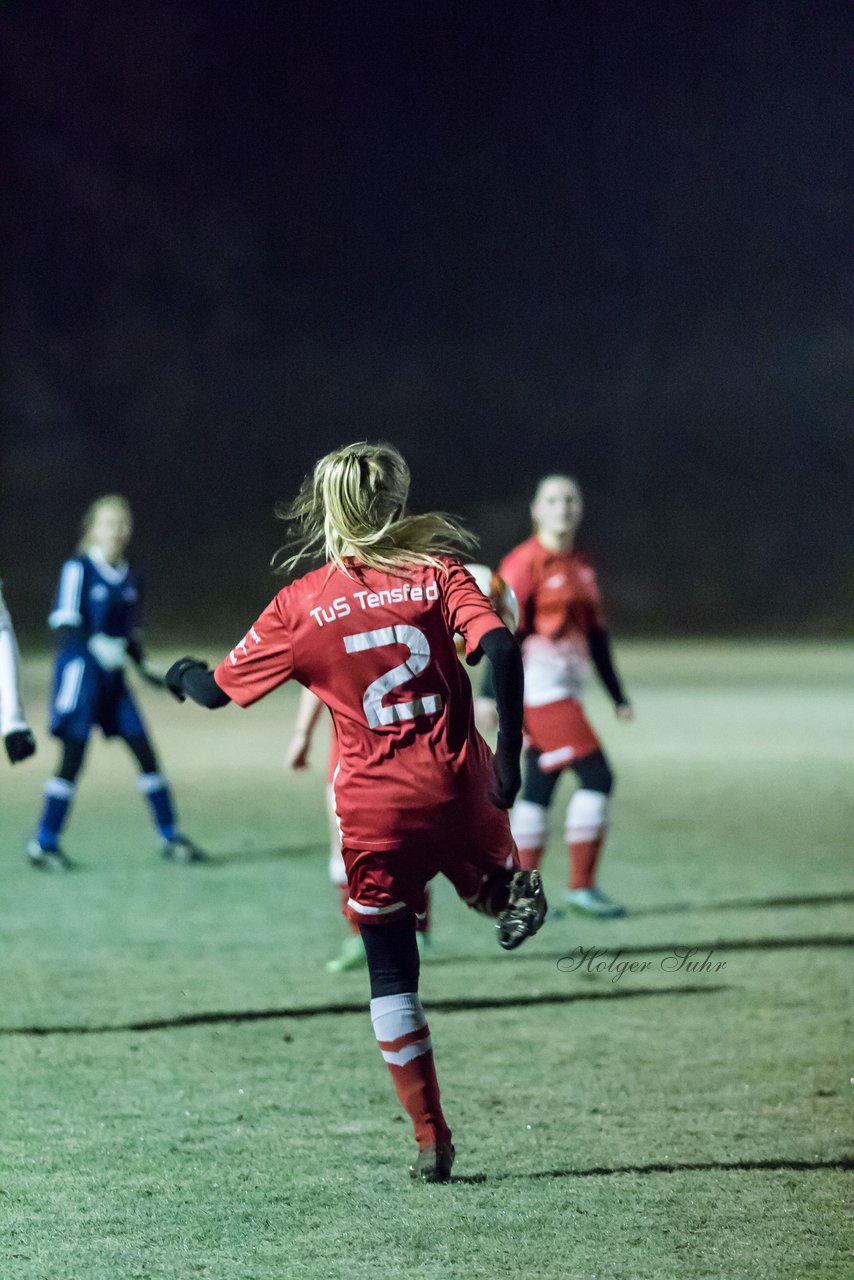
point(198, 683)
point(600, 653)
point(487, 682)
point(505, 659)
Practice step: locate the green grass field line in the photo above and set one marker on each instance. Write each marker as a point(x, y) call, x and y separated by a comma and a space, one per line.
point(337, 1010)
point(732, 1166)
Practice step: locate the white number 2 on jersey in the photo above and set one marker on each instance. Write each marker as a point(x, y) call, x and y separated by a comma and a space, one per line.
point(376, 711)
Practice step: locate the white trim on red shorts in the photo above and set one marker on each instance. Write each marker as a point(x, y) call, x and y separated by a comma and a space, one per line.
point(561, 755)
point(375, 911)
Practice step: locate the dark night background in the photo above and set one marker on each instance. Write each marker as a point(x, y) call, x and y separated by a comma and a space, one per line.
point(600, 237)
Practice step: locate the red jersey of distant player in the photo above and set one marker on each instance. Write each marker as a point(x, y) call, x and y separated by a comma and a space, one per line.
point(379, 651)
point(559, 604)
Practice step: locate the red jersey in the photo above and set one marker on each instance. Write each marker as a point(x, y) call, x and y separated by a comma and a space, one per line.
point(379, 651)
point(559, 604)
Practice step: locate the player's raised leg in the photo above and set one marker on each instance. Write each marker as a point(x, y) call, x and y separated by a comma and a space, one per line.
point(495, 886)
point(482, 863)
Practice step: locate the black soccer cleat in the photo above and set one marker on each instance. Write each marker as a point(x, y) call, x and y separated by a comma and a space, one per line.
point(525, 910)
point(49, 860)
point(180, 849)
point(433, 1164)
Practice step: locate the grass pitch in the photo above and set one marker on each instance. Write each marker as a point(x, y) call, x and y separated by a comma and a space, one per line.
point(188, 1093)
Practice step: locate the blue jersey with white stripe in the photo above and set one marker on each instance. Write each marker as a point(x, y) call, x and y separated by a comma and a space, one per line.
point(95, 596)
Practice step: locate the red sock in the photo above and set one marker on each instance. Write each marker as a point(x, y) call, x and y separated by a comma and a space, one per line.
point(530, 859)
point(583, 857)
point(404, 1039)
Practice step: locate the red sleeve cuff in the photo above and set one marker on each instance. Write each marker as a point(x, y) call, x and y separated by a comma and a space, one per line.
point(243, 695)
point(478, 628)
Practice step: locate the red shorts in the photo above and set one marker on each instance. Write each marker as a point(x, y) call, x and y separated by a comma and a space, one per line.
point(384, 884)
point(560, 732)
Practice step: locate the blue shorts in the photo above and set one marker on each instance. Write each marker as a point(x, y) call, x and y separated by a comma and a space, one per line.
point(84, 696)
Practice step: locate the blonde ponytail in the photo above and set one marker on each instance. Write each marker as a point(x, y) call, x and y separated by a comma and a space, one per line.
point(353, 504)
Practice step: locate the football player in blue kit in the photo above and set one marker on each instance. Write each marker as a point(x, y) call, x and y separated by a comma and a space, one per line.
point(95, 617)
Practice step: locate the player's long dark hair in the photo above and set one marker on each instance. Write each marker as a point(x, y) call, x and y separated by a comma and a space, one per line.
point(354, 504)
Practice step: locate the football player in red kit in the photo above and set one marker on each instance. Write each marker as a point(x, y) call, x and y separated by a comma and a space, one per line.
point(561, 628)
point(352, 953)
point(417, 790)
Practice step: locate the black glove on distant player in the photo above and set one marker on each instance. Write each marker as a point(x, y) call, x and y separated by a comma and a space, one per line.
point(506, 775)
point(150, 676)
point(20, 744)
point(176, 672)
point(147, 673)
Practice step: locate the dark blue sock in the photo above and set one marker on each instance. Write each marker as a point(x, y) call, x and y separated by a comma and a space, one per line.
point(58, 796)
point(156, 791)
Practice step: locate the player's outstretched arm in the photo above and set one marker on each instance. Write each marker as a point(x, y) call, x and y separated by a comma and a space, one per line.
point(308, 714)
point(505, 657)
point(190, 678)
point(599, 644)
point(148, 673)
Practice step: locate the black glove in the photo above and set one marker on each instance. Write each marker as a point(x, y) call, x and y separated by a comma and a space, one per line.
point(175, 675)
point(20, 744)
point(506, 775)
